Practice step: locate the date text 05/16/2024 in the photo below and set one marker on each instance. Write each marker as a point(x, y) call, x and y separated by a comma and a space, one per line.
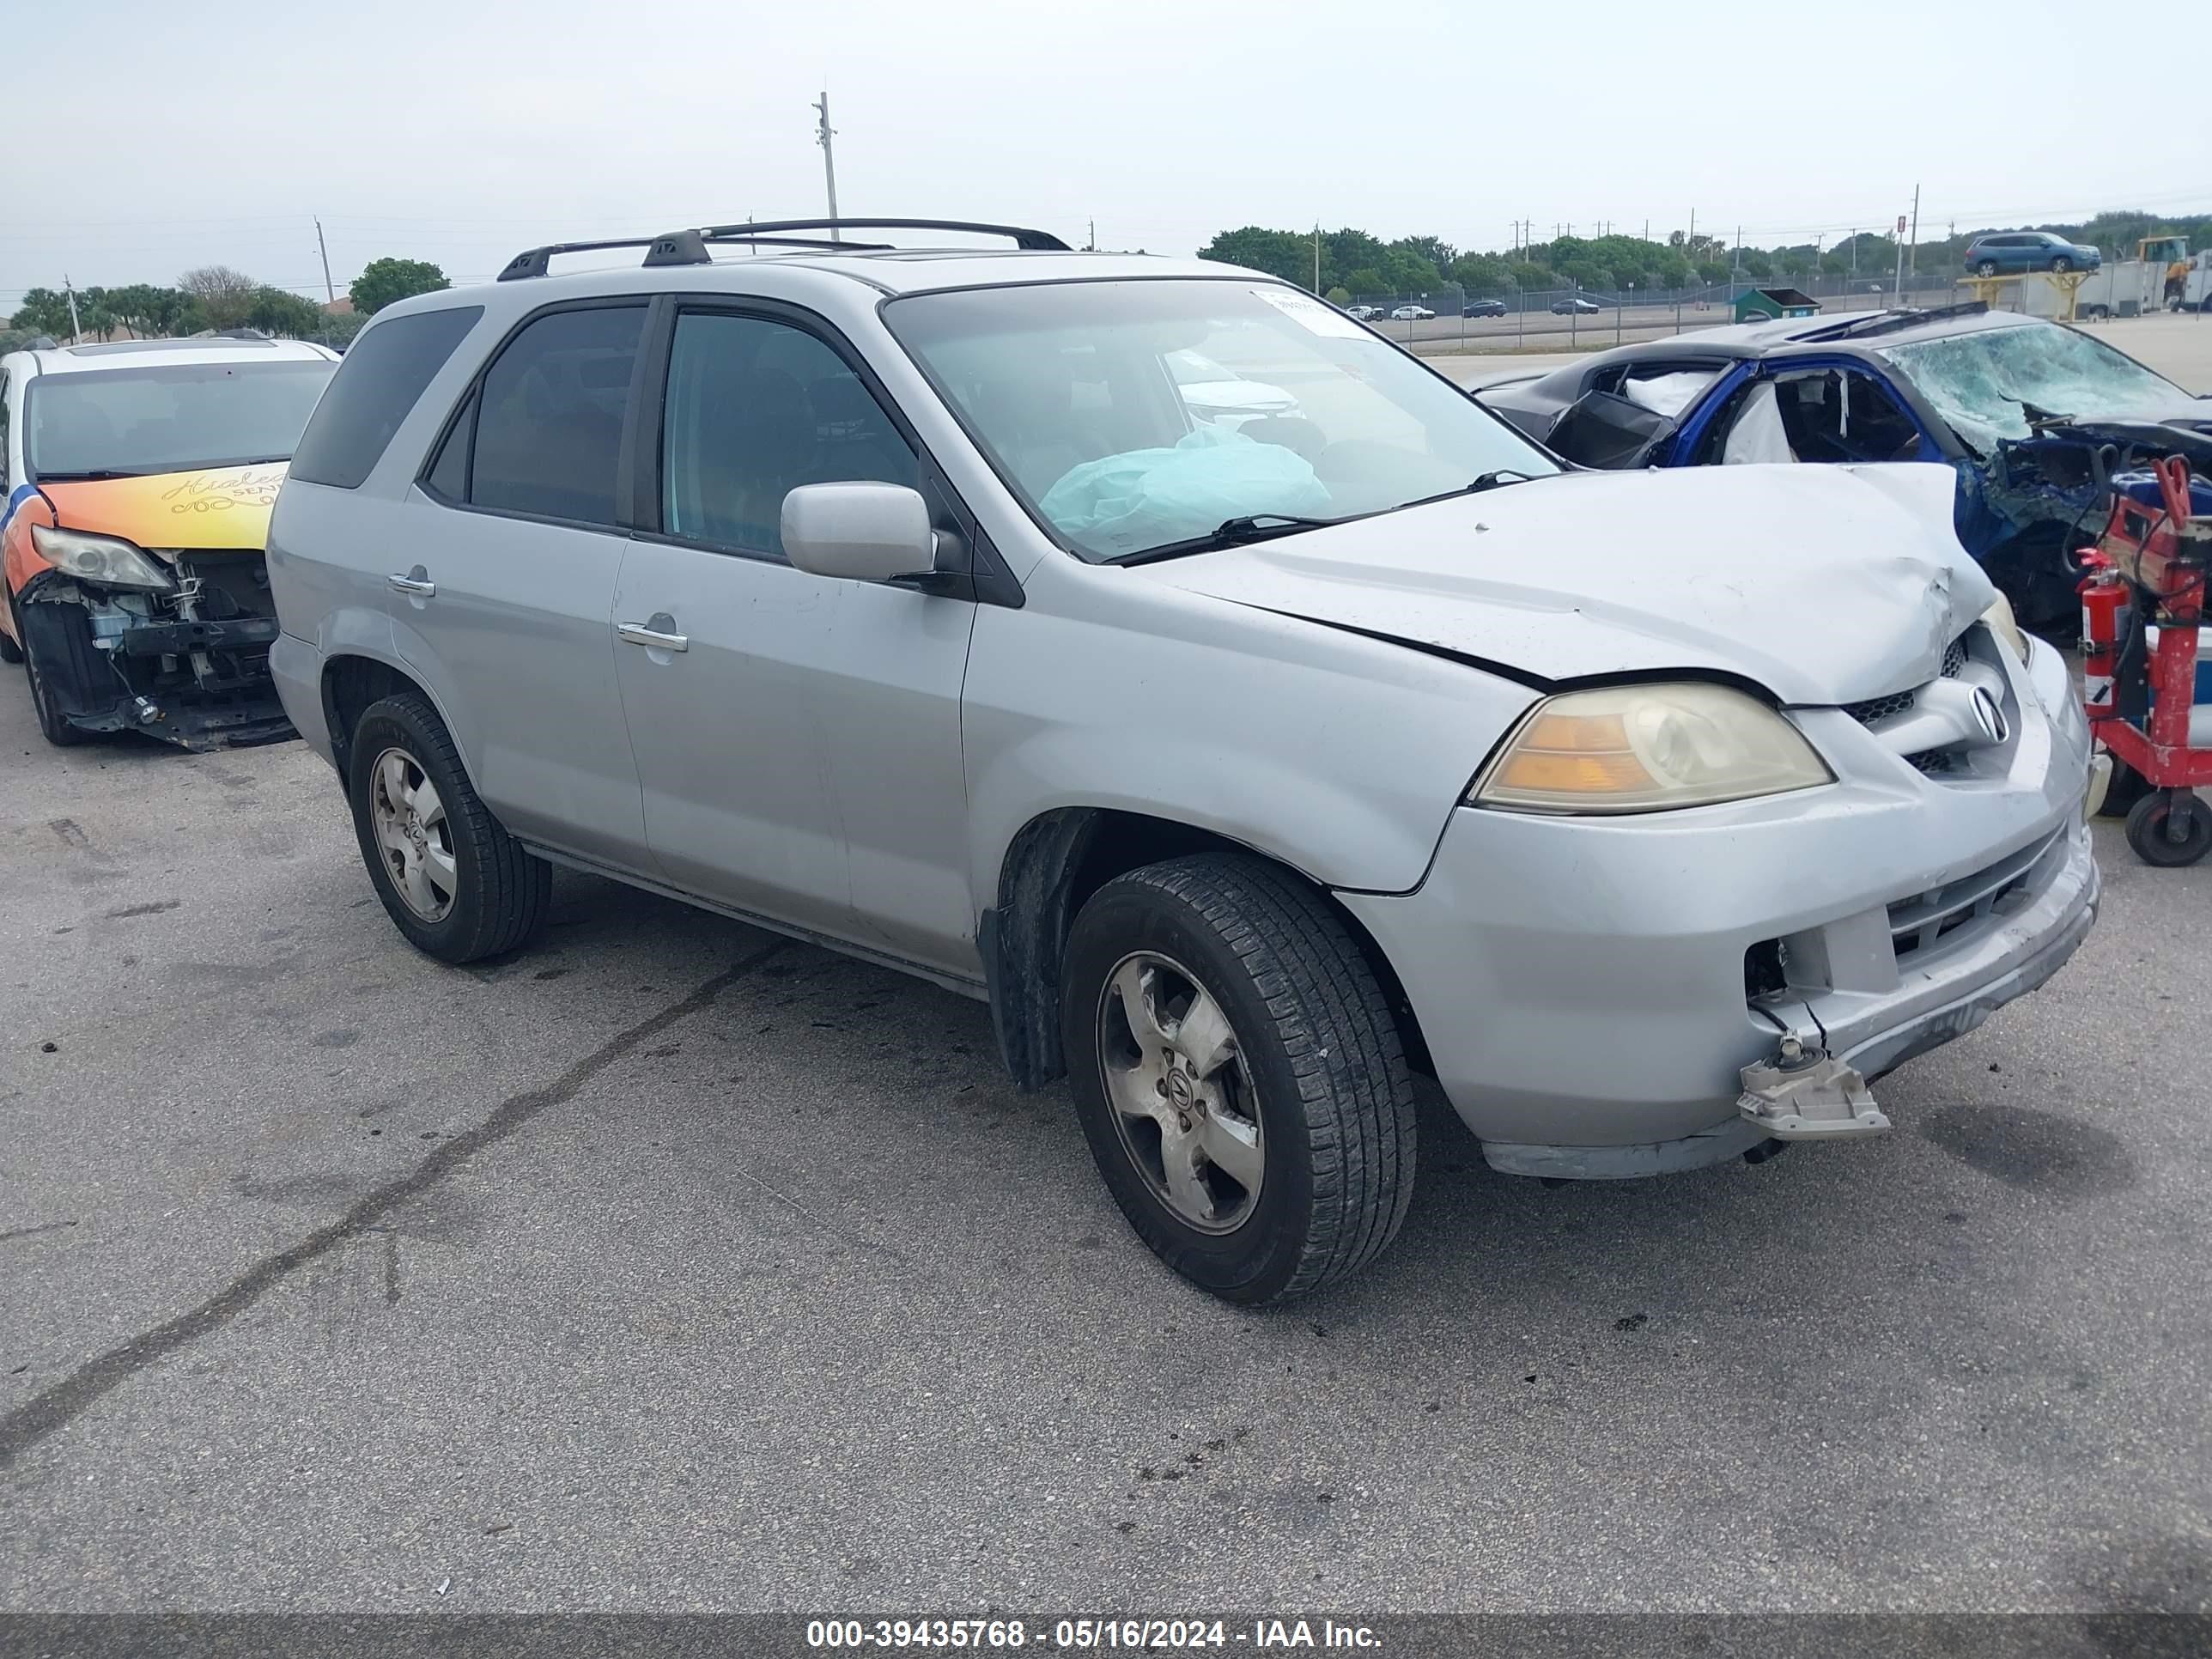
point(1086, 1635)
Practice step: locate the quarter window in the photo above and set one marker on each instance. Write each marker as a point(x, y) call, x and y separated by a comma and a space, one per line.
point(381, 376)
point(754, 409)
point(549, 422)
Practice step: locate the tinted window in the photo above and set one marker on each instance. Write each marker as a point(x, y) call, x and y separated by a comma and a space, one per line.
point(754, 409)
point(449, 475)
point(549, 420)
point(383, 373)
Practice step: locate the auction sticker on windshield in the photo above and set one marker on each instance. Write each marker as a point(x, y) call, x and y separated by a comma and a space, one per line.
point(1311, 314)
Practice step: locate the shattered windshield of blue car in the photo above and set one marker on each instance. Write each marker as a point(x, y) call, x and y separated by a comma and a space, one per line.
point(1984, 382)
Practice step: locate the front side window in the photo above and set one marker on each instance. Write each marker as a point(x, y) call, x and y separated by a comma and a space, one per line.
point(177, 418)
point(548, 423)
point(755, 408)
point(1986, 383)
point(1080, 394)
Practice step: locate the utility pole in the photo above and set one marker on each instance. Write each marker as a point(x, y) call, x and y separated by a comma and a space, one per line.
point(1091, 247)
point(1316, 256)
point(329, 289)
point(1915, 228)
point(71, 292)
point(823, 132)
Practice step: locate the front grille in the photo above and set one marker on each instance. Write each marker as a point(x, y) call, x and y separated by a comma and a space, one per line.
point(1917, 923)
point(1874, 710)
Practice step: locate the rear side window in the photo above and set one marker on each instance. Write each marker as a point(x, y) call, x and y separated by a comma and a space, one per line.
point(378, 382)
point(549, 416)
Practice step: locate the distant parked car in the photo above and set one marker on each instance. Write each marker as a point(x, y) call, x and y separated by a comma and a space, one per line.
point(1573, 305)
point(1483, 308)
point(1364, 313)
point(1411, 314)
point(2028, 250)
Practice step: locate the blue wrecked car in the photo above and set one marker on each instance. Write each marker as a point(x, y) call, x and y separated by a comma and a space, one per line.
point(2032, 415)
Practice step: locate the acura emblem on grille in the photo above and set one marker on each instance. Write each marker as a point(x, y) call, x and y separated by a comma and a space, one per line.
point(1991, 716)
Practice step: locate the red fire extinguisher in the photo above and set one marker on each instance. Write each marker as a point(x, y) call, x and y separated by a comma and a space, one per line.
point(2103, 595)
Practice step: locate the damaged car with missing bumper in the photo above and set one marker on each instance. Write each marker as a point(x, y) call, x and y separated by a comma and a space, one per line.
point(902, 605)
point(139, 478)
point(2032, 416)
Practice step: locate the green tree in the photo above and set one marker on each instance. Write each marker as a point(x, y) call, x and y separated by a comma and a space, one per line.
point(44, 311)
point(275, 312)
point(387, 282)
point(224, 295)
point(1283, 253)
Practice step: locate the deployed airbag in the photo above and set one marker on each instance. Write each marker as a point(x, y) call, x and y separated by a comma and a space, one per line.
point(1146, 497)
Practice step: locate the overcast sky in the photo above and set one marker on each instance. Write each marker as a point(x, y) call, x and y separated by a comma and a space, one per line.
point(147, 140)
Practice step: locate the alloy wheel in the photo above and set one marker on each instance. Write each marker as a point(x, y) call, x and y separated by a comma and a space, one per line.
point(412, 835)
point(1181, 1093)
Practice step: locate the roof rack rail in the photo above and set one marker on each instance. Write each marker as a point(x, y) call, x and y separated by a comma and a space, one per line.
point(1890, 320)
point(689, 247)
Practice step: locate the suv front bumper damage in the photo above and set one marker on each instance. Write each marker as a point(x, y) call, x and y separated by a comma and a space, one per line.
point(126, 661)
point(1590, 992)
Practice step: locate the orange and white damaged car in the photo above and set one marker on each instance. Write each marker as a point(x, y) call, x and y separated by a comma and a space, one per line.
point(139, 476)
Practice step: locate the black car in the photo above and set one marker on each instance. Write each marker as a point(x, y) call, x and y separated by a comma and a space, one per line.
point(1483, 308)
point(2025, 411)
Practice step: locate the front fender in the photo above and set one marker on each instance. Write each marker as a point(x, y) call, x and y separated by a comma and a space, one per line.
point(1336, 753)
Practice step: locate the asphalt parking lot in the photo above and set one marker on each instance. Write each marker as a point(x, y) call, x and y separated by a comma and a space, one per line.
point(664, 1266)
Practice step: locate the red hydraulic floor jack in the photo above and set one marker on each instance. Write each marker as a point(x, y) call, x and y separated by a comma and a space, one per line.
point(2150, 569)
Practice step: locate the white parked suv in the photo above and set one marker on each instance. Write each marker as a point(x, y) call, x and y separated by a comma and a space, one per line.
point(896, 600)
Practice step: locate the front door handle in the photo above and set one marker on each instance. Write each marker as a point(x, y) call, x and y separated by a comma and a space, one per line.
point(415, 586)
point(653, 634)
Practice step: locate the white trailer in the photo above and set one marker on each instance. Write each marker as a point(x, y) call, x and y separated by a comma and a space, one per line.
point(2126, 288)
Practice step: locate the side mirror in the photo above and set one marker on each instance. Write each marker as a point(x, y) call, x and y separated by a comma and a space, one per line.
point(864, 533)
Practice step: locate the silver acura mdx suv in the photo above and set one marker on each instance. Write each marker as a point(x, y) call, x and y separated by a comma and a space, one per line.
point(895, 599)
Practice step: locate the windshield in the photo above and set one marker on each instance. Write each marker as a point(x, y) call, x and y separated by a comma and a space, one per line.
point(1071, 390)
point(1977, 381)
point(175, 418)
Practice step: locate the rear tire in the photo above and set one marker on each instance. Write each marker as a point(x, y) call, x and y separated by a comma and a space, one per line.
point(1313, 1088)
point(451, 877)
point(1987, 268)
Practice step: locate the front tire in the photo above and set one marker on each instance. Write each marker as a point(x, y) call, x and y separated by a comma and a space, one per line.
point(1238, 1075)
point(451, 877)
point(54, 724)
point(2060, 265)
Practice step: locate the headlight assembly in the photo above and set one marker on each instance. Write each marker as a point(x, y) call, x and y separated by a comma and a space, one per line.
point(107, 560)
point(2006, 626)
point(1647, 749)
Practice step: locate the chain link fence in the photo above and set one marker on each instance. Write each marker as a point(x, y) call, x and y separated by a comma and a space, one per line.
point(1580, 319)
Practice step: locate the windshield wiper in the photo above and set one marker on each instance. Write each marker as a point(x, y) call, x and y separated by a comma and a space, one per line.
point(1239, 531)
point(1490, 480)
point(93, 475)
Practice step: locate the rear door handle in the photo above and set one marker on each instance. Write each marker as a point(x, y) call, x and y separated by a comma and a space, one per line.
point(652, 638)
point(414, 587)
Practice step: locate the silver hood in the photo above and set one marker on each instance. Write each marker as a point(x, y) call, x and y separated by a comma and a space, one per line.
point(1823, 584)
